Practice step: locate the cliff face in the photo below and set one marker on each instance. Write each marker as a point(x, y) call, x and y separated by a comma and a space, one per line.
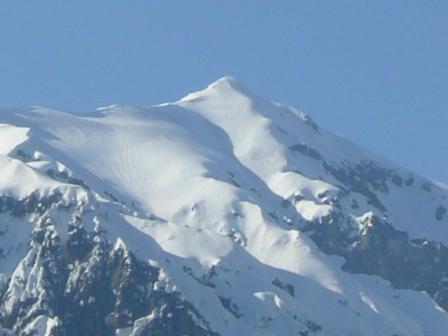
point(84, 282)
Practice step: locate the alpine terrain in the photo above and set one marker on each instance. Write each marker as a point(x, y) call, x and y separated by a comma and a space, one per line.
point(222, 213)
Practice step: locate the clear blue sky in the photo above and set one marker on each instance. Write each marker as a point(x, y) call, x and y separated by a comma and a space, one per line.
point(374, 71)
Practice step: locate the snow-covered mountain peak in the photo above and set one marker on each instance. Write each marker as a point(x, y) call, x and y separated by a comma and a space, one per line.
point(227, 83)
point(226, 87)
point(251, 213)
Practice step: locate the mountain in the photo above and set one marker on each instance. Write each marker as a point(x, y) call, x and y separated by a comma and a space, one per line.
point(222, 213)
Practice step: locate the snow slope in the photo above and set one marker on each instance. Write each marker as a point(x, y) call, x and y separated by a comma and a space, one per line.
point(216, 188)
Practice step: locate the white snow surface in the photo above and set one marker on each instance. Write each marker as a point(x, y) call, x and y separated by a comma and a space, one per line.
point(204, 182)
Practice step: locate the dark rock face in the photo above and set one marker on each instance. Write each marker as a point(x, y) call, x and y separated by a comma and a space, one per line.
point(441, 212)
point(84, 283)
point(285, 286)
point(379, 249)
point(365, 177)
point(31, 204)
point(231, 307)
point(307, 151)
point(87, 285)
point(66, 178)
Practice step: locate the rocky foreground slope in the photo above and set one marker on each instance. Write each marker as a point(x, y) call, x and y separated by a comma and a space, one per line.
point(219, 214)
